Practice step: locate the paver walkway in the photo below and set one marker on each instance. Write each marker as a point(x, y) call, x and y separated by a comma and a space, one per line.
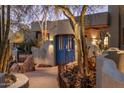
point(45, 77)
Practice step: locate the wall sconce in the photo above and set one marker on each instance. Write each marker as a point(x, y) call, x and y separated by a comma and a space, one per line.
point(106, 41)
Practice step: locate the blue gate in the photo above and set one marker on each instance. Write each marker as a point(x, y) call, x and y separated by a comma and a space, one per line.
point(64, 48)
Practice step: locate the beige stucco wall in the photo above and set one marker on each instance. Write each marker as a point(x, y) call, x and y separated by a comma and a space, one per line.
point(107, 74)
point(118, 57)
point(44, 54)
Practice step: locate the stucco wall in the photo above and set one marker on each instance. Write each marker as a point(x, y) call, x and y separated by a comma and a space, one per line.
point(44, 54)
point(107, 74)
point(97, 19)
point(2, 80)
point(114, 25)
point(121, 26)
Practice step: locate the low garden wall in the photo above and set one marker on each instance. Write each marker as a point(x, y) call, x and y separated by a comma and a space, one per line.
point(2, 76)
point(107, 74)
point(44, 55)
point(22, 81)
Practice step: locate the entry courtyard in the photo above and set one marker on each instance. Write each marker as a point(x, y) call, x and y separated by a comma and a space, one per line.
point(61, 46)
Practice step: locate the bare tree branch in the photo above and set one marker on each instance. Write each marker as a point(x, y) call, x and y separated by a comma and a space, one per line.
point(68, 13)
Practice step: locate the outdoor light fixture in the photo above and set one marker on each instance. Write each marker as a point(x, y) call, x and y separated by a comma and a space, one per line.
point(106, 41)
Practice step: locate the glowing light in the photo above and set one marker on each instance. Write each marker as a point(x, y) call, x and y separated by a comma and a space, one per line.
point(106, 41)
point(75, 46)
point(50, 46)
point(51, 38)
point(93, 37)
point(94, 41)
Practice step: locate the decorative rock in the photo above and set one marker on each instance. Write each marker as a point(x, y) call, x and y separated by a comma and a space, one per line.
point(22, 57)
point(28, 64)
point(14, 68)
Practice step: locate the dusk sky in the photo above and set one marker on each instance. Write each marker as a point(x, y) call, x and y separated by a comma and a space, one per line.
point(52, 16)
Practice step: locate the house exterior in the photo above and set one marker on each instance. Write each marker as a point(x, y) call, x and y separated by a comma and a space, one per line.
point(47, 53)
point(64, 27)
point(111, 21)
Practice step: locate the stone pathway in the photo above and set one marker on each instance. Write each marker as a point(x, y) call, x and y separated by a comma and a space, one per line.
point(45, 77)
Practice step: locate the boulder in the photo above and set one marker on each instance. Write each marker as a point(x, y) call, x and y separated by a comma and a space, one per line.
point(28, 65)
point(15, 68)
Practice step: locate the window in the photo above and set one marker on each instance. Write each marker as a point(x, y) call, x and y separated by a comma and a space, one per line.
point(69, 42)
point(60, 42)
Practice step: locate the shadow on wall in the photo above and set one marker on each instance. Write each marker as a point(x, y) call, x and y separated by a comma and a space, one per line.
point(44, 55)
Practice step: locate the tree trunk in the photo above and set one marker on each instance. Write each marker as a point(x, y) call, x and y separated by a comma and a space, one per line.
point(2, 38)
point(79, 48)
point(83, 40)
point(0, 31)
point(6, 60)
point(4, 42)
point(3, 20)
